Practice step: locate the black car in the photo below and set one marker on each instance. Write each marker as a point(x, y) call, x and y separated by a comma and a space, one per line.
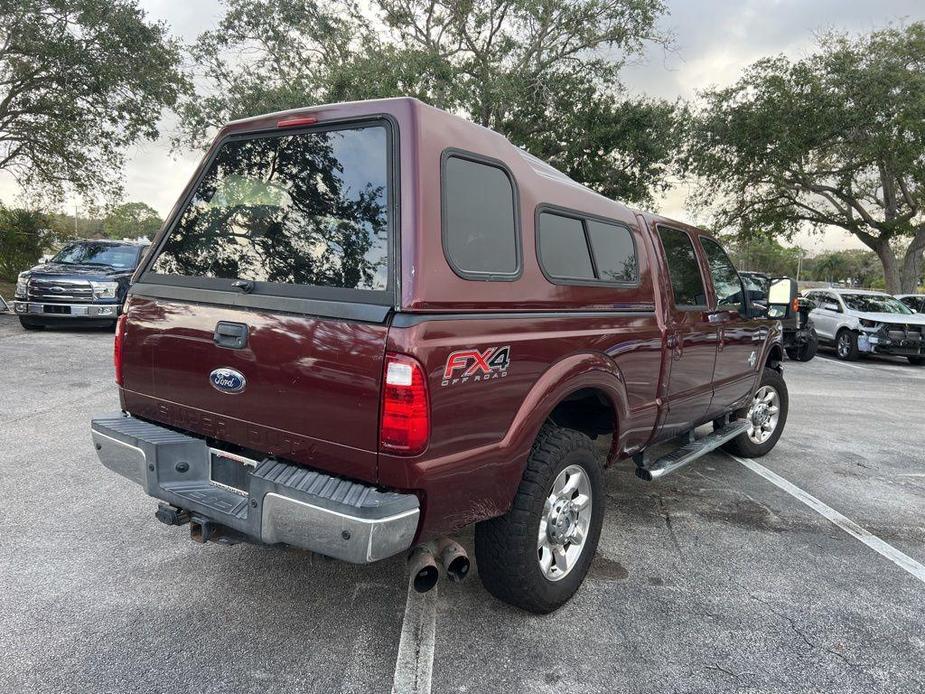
point(84, 283)
point(799, 333)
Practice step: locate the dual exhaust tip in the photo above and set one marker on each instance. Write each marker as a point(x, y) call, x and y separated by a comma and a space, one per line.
point(424, 559)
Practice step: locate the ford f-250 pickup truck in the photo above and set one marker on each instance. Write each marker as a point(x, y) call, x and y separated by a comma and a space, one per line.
point(84, 283)
point(366, 326)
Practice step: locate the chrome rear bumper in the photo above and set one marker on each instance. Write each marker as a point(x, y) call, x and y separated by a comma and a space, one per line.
point(280, 503)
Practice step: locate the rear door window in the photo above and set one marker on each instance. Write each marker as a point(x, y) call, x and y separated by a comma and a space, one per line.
point(683, 269)
point(480, 225)
point(308, 209)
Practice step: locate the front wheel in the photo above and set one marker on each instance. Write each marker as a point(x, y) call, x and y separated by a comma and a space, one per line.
point(537, 554)
point(766, 417)
point(846, 345)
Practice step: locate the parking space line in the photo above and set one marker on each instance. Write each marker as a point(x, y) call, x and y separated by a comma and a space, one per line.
point(415, 662)
point(903, 561)
point(874, 366)
point(844, 363)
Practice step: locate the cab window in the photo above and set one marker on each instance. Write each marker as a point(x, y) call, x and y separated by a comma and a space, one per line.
point(683, 269)
point(726, 280)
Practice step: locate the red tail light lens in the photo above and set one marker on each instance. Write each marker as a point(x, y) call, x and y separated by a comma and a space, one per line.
point(295, 121)
point(405, 424)
point(117, 348)
point(795, 304)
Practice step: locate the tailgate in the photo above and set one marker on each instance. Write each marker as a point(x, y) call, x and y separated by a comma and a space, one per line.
point(310, 389)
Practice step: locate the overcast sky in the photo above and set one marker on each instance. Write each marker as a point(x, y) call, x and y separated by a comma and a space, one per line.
point(715, 39)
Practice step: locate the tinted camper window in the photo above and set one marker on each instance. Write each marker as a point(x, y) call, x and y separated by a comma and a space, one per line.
point(614, 251)
point(305, 209)
point(580, 250)
point(563, 247)
point(479, 219)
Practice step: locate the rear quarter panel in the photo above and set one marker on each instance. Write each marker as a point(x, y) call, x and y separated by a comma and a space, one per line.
point(482, 430)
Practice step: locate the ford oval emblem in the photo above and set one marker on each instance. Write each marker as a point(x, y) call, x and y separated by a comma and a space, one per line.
point(228, 380)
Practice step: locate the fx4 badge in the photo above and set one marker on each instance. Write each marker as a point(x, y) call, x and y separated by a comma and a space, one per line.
point(466, 365)
point(752, 359)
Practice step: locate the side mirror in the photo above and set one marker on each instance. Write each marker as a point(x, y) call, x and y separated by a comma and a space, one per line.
point(782, 298)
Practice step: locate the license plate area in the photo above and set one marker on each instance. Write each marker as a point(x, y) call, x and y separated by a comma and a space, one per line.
point(230, 471)
point(61, 310)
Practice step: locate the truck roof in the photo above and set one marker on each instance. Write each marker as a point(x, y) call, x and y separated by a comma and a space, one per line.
point(425, 139)
point(425, 115)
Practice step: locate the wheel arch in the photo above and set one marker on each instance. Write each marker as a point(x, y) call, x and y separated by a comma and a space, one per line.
point(569, 387)
point(775, 357)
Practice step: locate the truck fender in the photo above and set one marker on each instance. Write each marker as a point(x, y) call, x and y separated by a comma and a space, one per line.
point(566, 376)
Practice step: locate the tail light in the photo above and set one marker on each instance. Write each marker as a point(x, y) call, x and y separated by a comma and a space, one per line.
point(117, 348)
point(795, 304)
point(405, 424)
point(295, 121)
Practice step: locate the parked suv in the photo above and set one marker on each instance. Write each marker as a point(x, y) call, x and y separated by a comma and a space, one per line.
point(370, 325)
point(857, 321)
point(84, 283)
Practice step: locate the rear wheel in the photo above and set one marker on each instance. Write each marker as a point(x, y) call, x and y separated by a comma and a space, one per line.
point(537, 554)
point(31, 324)
point(846, 345)
point(766, 415)
point(916, 361)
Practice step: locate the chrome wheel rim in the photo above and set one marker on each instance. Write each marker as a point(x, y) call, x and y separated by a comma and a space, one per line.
point(763, 415)
point(844, 345)
point(564, 523)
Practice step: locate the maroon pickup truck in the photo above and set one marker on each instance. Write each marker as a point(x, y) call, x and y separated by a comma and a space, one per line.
point(366, 326)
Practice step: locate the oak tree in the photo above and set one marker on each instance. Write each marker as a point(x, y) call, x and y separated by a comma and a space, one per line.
point(80, 80)
point(543, 72)
point(834, 139)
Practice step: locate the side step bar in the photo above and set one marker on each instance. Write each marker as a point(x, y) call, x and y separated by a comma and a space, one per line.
point(688, 453)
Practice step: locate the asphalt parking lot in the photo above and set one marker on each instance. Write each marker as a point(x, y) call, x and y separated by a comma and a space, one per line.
point(713, 580)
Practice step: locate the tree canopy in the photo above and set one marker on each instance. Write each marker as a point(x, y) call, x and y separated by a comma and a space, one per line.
point(24, 236)
point(834, 139)
point(80, 80)
point(543, 72)
point(131, 219)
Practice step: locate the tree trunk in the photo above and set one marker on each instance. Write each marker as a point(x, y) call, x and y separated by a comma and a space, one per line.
point(912, 264)
point(891, 272)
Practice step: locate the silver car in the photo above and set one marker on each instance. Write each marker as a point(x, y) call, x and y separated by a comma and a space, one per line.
point(858, 321)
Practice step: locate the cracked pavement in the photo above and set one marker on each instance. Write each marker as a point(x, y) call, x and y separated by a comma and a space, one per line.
point(712, 580)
